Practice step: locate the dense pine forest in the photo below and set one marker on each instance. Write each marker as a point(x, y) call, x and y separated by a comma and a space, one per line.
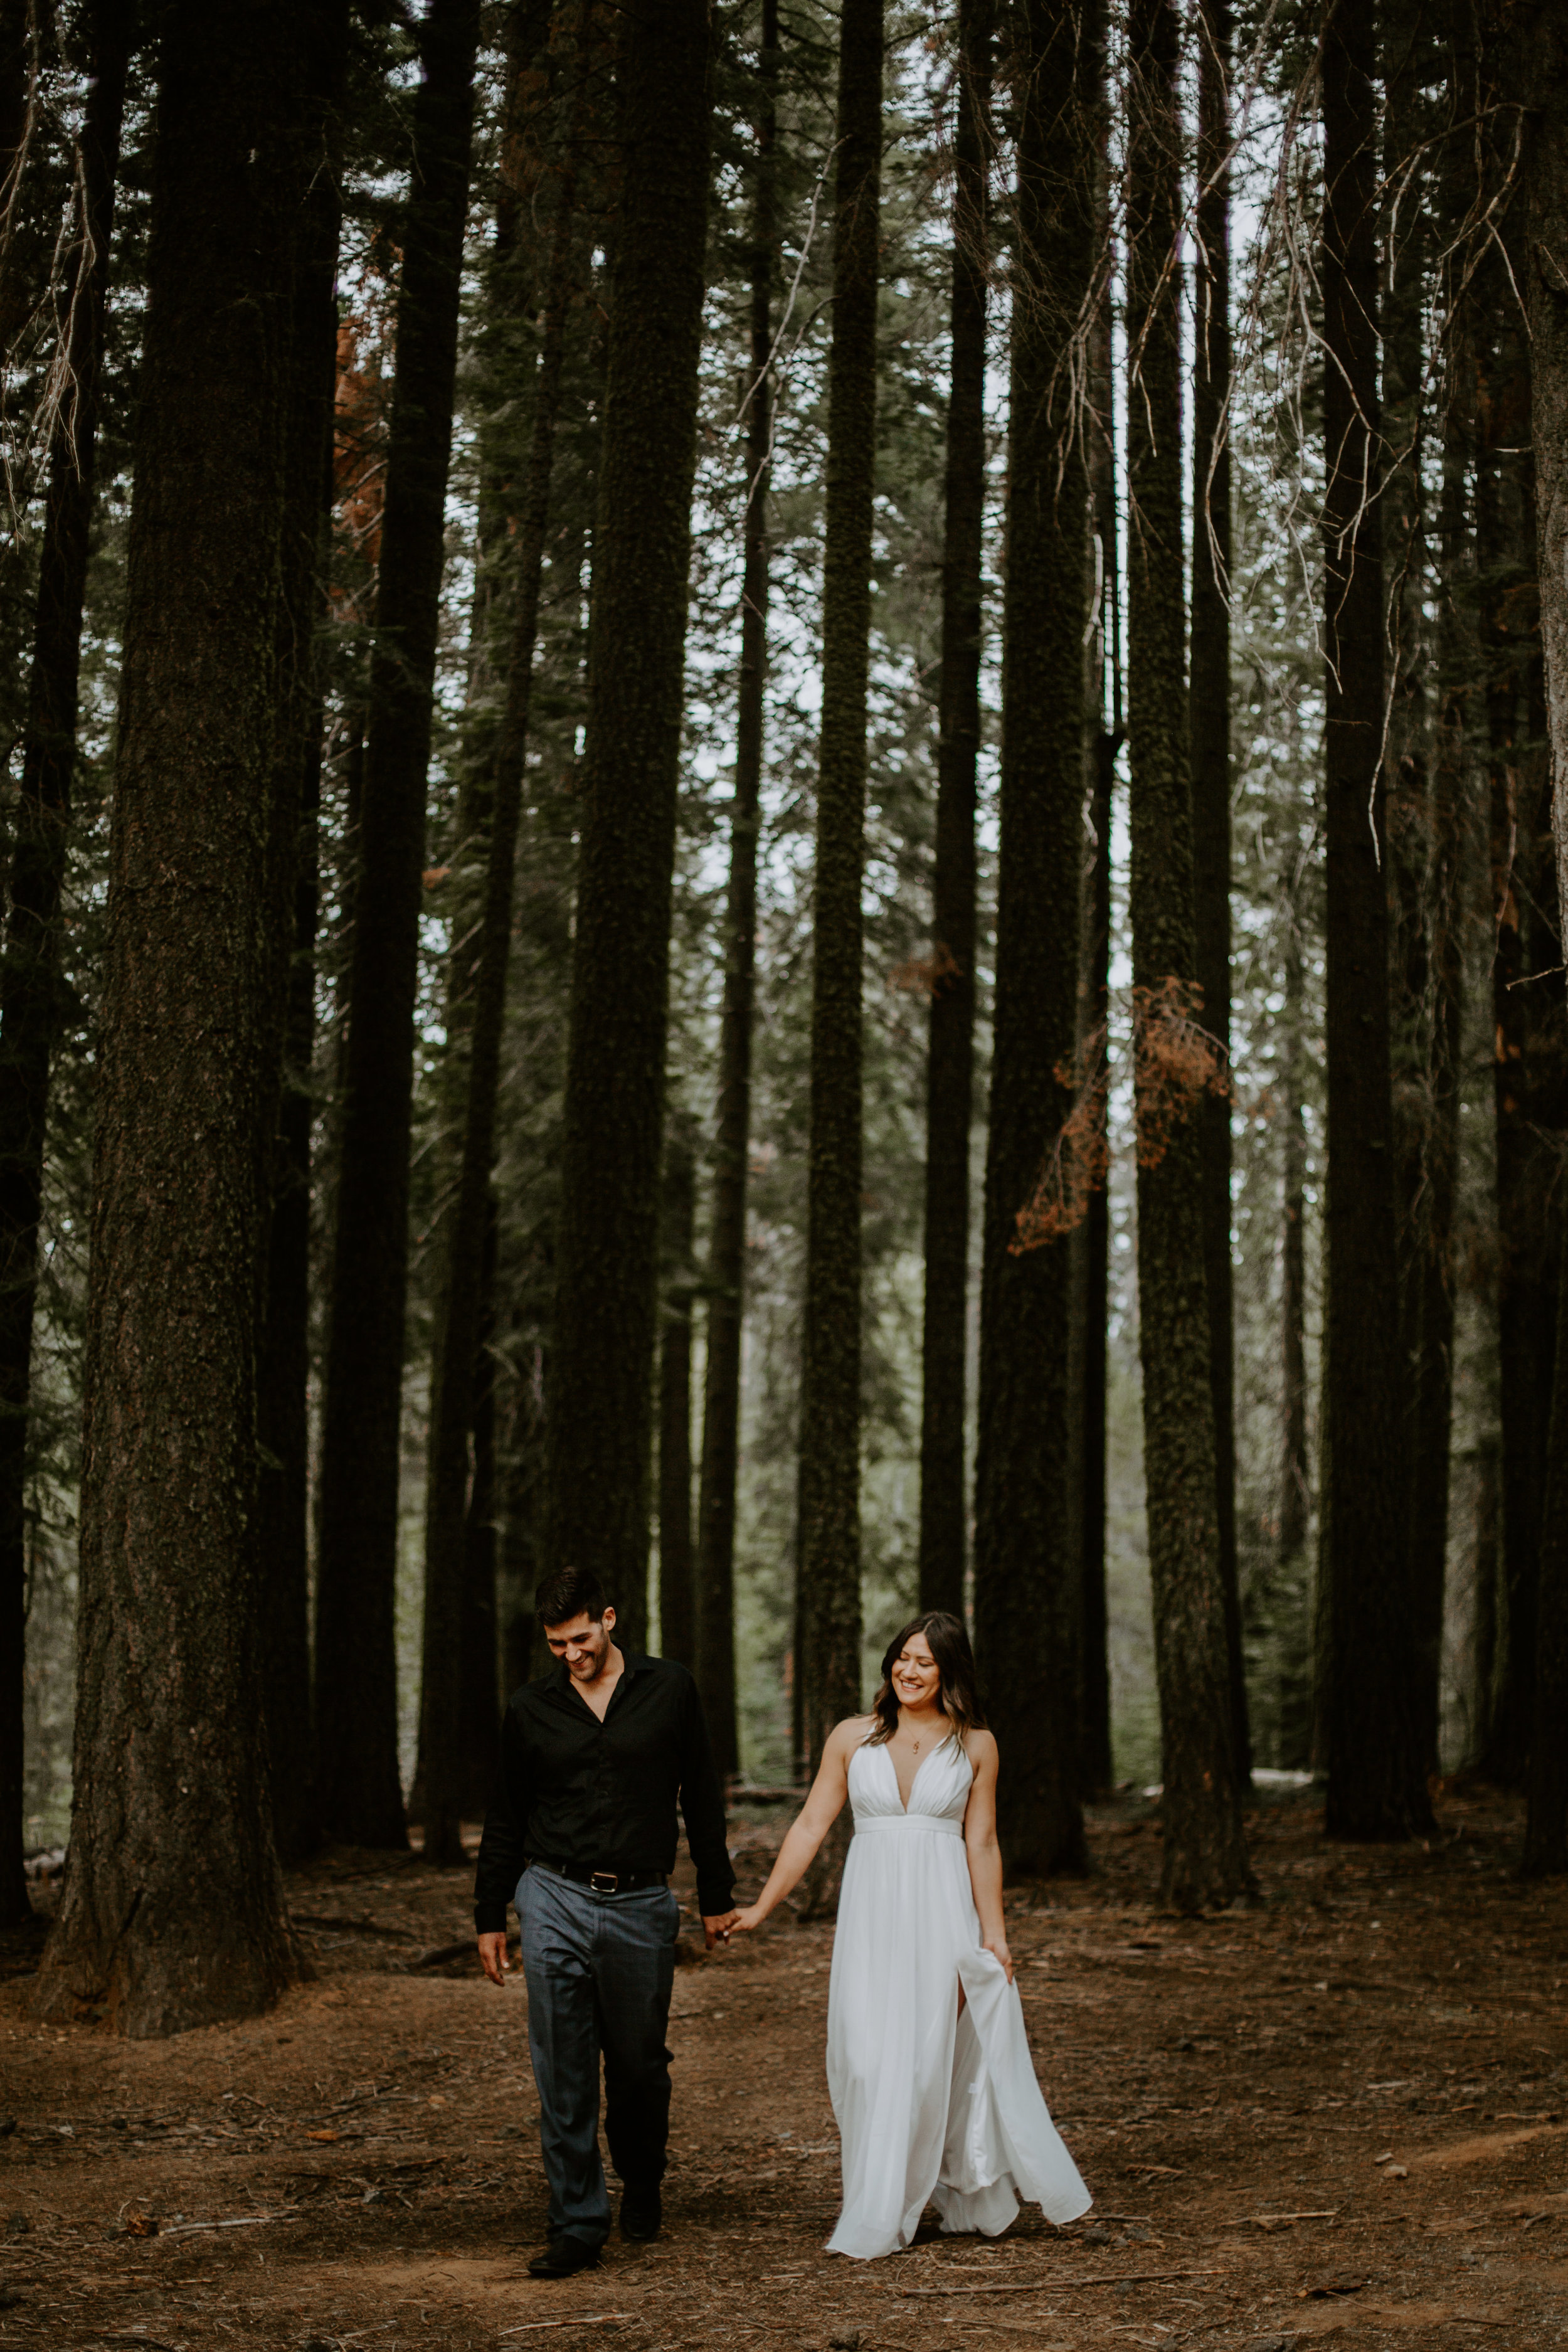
point(785, 807)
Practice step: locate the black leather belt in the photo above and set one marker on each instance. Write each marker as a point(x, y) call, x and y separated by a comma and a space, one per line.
point(605, 1882)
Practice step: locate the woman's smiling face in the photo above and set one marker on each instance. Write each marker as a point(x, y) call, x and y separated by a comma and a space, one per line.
point(917, 1678)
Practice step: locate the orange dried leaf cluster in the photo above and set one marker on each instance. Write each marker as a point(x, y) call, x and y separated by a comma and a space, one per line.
point(1078, 1160)
point(923, 975)
point(1175, 1061)
point(359, 457)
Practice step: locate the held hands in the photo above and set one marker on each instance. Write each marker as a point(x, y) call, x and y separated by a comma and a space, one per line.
point(746, 1922)
point(716, 1927)
point(492, 1957)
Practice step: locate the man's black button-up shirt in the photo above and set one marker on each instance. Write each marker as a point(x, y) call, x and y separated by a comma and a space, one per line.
point(602, 1796)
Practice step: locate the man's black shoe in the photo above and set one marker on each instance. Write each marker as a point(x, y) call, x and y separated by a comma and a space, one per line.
point(642, 2211)
point(564, 2258)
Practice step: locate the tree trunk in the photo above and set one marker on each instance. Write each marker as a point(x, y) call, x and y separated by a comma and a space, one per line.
point(173, 1912)
point(1293, 1575)
point(1445, 893)
point(282, 1527)
point(677, 1614)
point(1546, 1825)
point(459, 1306)
point(1485, 1549)
point(480, 1658)
point(1205, 1848)
point(714, 1598)
point(949, 1066)
point(1026, 1541)
point(1376, 1759)
point(30, 992)
point(27, 155)
point(829, 1538)
point(1210, 698)
point(1526, 1014)
point(1092, 1241)
point(607, 1245)
point(1545, 287)
point(356, 1667)
point(1425, 765)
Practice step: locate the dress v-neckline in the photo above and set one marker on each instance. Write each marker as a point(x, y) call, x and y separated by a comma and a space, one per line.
point(914, 1784)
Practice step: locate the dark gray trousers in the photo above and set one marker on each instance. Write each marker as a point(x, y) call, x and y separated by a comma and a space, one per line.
point(599, 1969)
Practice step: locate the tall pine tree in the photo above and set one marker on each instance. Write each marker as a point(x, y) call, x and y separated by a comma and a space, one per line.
point(1027, 1556)
point(1375, 1754)
point(829, 1542)
point(173, 1915)
point(714, 1597)
point(949, 1066)
point(31, 994)
point(606, 1321)
point(1205, 1853)
point(356, 1668)
point(1210, 707)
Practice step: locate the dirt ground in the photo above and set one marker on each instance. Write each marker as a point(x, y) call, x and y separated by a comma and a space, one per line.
point(1345, 2113)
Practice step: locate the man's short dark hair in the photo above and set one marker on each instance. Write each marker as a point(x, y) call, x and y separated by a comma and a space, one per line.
point(571, 1593)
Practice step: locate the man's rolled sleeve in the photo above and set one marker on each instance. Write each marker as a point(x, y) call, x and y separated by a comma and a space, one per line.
point(702, 1803)
point(501, 1856)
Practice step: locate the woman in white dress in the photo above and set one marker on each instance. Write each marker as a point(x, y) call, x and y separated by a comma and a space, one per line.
point(928, 2060)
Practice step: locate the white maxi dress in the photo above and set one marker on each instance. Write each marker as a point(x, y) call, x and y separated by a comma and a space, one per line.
point(932, 2105)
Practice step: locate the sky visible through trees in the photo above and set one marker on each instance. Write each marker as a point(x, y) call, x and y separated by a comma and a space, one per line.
point(548, 1232)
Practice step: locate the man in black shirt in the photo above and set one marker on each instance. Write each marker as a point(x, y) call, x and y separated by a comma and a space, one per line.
point(581, 1833)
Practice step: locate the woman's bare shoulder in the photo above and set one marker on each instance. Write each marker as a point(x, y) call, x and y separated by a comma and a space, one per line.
point(851, 1733)
point(980, 1747)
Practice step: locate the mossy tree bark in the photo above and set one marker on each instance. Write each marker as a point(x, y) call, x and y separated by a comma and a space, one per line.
point(1210, 720)
point(1205, 1857)
point(282, 1525)
point(830, 1533)
point(1027, 1558)
point(173, 1911)
point(30, 992)
point(460, 1306)
point(1545, 181)
point(714, 1595)
point(608, 1248)
point(1375, 1758)
point(950, 1064)
point(356, 1673)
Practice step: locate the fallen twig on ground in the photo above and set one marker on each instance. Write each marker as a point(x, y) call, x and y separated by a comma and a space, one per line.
point(588, 2319)
point(243, 2222)
point(1276, 2220)
point(1063, 2285)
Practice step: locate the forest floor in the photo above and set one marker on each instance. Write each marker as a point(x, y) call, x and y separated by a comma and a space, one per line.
point(1343, 2113)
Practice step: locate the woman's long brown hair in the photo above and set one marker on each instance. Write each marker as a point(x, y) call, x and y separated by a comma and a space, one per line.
point(949, 1645)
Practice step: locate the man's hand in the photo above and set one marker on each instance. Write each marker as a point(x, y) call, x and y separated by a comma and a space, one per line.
point(716, 1927)
point(492, 1957)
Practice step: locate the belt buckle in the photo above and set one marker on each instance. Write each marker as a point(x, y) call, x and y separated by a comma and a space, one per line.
point(602, 1882)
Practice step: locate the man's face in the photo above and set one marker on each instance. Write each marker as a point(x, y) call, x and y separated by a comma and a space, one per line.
point(584, 1643)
